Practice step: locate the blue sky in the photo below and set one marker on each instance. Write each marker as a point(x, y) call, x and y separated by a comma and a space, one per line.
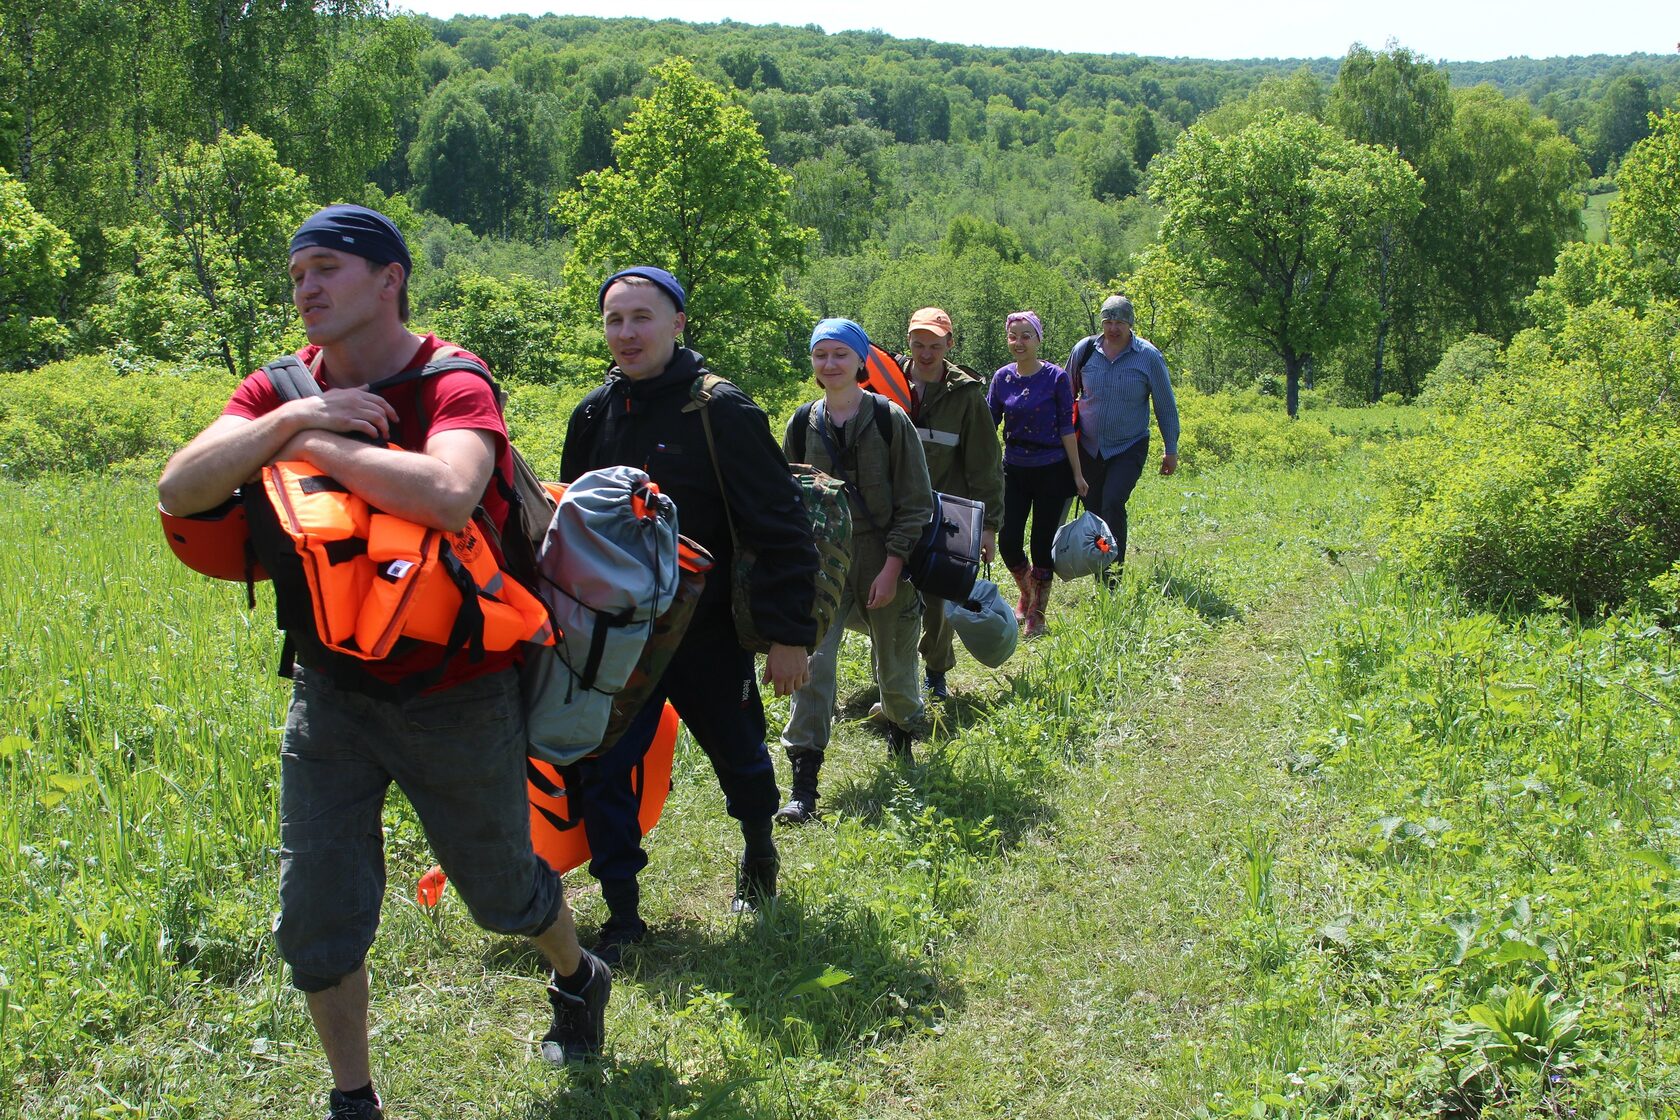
point(1463, 30)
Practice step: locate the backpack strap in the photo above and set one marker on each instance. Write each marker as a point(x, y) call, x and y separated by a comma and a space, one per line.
point(700, 392)
point(852, 488)
point(883, 416)
point(1076, 362)
point(292, 380)
point(801, 426)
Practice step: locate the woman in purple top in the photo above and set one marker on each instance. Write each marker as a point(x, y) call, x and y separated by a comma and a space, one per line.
point(1041, 474)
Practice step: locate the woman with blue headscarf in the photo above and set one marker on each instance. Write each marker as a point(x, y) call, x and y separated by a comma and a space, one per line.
point(870, 445)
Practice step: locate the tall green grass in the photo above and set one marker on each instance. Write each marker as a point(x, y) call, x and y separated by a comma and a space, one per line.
point(1221, 842)
point(1491, 926)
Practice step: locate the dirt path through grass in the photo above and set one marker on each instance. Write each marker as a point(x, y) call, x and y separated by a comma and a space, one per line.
point(1101, 985)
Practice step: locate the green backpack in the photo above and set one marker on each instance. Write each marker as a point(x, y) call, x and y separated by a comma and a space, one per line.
point(831, 529)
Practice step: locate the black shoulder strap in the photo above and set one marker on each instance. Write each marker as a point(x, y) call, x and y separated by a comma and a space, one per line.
point(435, 367)
point(1076, 362)
point(291, 379)
point(883, 416)
point(852, 488)
point(700, 399)
point(801, 427)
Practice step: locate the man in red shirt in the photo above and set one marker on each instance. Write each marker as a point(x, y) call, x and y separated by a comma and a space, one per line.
point(428, 451)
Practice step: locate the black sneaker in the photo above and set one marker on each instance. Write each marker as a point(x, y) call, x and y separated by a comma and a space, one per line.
point(580, 1022)
point(617, 935)
point(341, 1107)
point(755, 884)
point(800, 809)
point(898, 744)
point(936, 689)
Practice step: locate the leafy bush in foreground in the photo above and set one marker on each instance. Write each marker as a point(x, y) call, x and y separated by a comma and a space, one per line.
point(1560, 475)
point(94, 414)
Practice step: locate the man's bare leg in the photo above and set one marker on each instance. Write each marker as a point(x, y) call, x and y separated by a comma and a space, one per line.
point(559, 942)
point(341, 1021)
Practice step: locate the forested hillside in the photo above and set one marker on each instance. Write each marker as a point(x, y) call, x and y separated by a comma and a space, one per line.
point(172, 145)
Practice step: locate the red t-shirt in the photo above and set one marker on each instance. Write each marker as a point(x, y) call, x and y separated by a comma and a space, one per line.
point(449, 401)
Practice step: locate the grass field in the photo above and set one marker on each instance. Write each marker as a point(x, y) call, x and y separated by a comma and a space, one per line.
point(1268, 832)
point(1595, 216)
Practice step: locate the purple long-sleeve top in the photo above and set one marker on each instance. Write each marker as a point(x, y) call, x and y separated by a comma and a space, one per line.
point(1036, 412)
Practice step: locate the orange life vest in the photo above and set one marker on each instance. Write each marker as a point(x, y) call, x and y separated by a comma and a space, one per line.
point(374, 578)
point(885, 376)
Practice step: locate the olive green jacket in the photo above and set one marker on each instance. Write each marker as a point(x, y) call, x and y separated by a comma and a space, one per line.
point(960, 440)
point(889, 471)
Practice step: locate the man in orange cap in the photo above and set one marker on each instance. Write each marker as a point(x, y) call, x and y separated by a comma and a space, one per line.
point(948, 406)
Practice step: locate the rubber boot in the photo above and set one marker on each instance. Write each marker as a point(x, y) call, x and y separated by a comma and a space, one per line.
point(1041, 596)
point(802, 799)
point(1024, 581)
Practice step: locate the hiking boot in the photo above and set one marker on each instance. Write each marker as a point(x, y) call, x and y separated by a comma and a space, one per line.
point(341, 1107)
point(580, 1022)
point(755, 884)
point(898, 744)
point(802, 798)
point(798, 810)
point(618, 934)
point(936, 688)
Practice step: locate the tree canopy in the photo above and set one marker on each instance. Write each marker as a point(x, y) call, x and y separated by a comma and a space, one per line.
point(694, 192)
point(1273, 222)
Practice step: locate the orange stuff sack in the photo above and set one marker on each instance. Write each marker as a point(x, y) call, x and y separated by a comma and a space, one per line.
point(883, 375)
point(557, 832)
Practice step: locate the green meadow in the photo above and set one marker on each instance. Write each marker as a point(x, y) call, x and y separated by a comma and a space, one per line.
point(1268, 832)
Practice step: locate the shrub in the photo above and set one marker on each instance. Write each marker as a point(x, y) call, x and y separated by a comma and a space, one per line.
point(100, 413)
point(510, 323)
point(1249, 428)
point(536, 420)
point(1560, 477)
point(1467, 363)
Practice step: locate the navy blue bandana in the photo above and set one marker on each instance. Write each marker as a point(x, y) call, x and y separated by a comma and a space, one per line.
point(662, 279)
point(357, 230)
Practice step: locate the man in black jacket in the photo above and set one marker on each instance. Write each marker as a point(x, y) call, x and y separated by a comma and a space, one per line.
point(644, 416)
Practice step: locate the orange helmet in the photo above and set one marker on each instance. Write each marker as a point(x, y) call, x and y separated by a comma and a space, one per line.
point(214, 542)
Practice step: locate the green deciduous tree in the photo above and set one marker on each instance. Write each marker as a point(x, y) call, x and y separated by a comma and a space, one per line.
point(693, 192)
point(488, 155)
point(1399, 101)
point(978, 287)
point(1275, 224)
point(1646, 218)
point(1509, 205)
point(35, 255)
point(1621, 120)
point(209, 280)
